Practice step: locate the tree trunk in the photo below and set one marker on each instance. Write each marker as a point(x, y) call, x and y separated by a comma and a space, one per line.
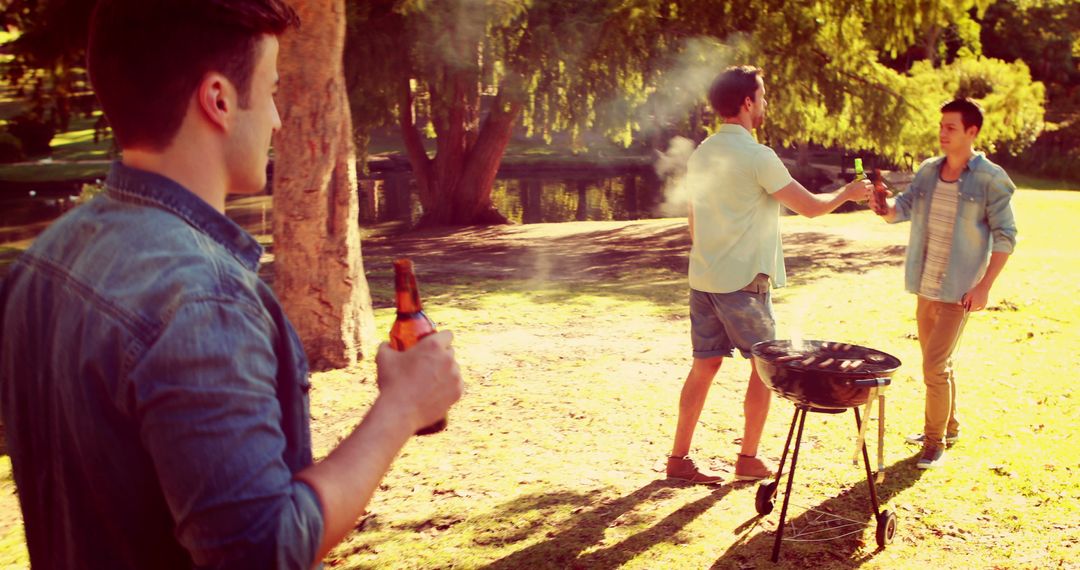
point(531, 201)
point(582, 213)
point(802, 157)
point(473, 202)
point(319, 272)
point(369, 203)
point(455, 186)
point(930, 44)
point(630, 195)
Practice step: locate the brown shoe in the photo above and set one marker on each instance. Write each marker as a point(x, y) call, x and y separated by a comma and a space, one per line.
point(750, 468)
point(683, 469)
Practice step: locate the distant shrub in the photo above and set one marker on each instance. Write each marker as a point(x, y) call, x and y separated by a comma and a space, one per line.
point(34, 133)
point(90, 190)
point(11, 149)
point(1056, 154)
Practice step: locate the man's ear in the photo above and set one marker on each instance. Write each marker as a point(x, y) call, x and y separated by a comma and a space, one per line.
point(216, 99)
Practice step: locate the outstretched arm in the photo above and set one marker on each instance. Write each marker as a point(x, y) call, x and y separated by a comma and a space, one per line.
point(799, 200)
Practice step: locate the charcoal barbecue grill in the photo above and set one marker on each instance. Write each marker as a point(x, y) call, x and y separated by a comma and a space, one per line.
point(825, 377)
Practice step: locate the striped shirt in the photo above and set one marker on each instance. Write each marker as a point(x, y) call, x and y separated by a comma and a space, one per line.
point(939, 235)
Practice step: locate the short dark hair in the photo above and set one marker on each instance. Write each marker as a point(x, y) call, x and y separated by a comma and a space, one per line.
point(731, 88)
point(145, 58)
point(971, 114)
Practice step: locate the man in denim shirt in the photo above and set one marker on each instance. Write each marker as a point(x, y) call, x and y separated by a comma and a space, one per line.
point(962, 233)
point(154, 392)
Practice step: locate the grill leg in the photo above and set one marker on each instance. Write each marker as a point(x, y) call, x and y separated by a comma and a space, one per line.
point(791, 477)
point(787, 445)
point(869, 474)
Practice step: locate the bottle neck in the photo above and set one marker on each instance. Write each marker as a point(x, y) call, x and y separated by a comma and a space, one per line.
point(406, 292)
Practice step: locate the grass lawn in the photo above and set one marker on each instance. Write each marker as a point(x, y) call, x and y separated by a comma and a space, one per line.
point(573, 340)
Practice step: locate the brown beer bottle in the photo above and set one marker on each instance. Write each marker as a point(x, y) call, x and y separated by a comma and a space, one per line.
point(411, 324)
point(880, 192)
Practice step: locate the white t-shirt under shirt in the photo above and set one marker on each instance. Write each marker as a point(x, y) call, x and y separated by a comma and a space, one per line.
point(939, 234)
point(730, 180)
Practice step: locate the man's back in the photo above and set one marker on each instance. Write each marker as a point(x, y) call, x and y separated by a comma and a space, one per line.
point(730, 178)
point(117, 323)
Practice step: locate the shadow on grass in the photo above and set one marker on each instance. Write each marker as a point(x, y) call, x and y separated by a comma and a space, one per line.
point(604, 262)
point(853, 504)
point(564, 547)
point(812, 255)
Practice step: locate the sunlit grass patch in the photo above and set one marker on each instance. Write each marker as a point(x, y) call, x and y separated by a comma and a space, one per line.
point(553, 458)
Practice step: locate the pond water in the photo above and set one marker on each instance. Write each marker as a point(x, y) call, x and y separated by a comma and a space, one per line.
point(528, 199)
point(525, 195)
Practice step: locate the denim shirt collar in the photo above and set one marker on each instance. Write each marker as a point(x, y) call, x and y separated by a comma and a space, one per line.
point(129, 184)
point(972, 164)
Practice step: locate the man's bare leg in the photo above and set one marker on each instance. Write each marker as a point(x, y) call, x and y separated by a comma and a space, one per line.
point(748, 467)
point(756, 411)
point(679, 465)
point(692, 400)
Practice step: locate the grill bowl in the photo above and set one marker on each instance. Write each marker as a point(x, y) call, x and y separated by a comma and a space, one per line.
point(818, 388)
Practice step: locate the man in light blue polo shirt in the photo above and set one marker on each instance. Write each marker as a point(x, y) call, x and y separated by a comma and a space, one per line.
point(736, 187)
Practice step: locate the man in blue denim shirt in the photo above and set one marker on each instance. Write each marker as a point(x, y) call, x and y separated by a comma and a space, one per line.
point(962, 233)
point(154, 393)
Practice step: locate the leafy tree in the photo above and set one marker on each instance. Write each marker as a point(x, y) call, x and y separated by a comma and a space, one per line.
point(1044, 34)
point(49, 54)
point(1011, 101)
point(466, 71)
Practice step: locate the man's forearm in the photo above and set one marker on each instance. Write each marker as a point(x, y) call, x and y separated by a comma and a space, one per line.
point(348, 477)
point(825, 203)
point(993, 269)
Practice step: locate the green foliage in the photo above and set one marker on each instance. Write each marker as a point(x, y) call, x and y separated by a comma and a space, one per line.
point(90, 190)
point(49, 51)
point(633, 70)
point(830, 86)
point(1045, 34)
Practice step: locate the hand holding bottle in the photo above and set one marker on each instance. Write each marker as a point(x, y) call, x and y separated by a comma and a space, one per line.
point(880, 194)
point(411, 326)
point(423, 381)
point(858, 190)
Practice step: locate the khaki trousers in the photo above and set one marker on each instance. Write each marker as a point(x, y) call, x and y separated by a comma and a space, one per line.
point(940, 325)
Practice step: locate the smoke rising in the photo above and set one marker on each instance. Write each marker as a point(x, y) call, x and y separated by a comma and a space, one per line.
point(684, 84)
point(681, 92)
point(670, 166)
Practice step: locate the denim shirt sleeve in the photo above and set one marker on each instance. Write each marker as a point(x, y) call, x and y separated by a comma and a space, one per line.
point(906, 200)
point(902, 205)
point(999, 214)
point(204, 395)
